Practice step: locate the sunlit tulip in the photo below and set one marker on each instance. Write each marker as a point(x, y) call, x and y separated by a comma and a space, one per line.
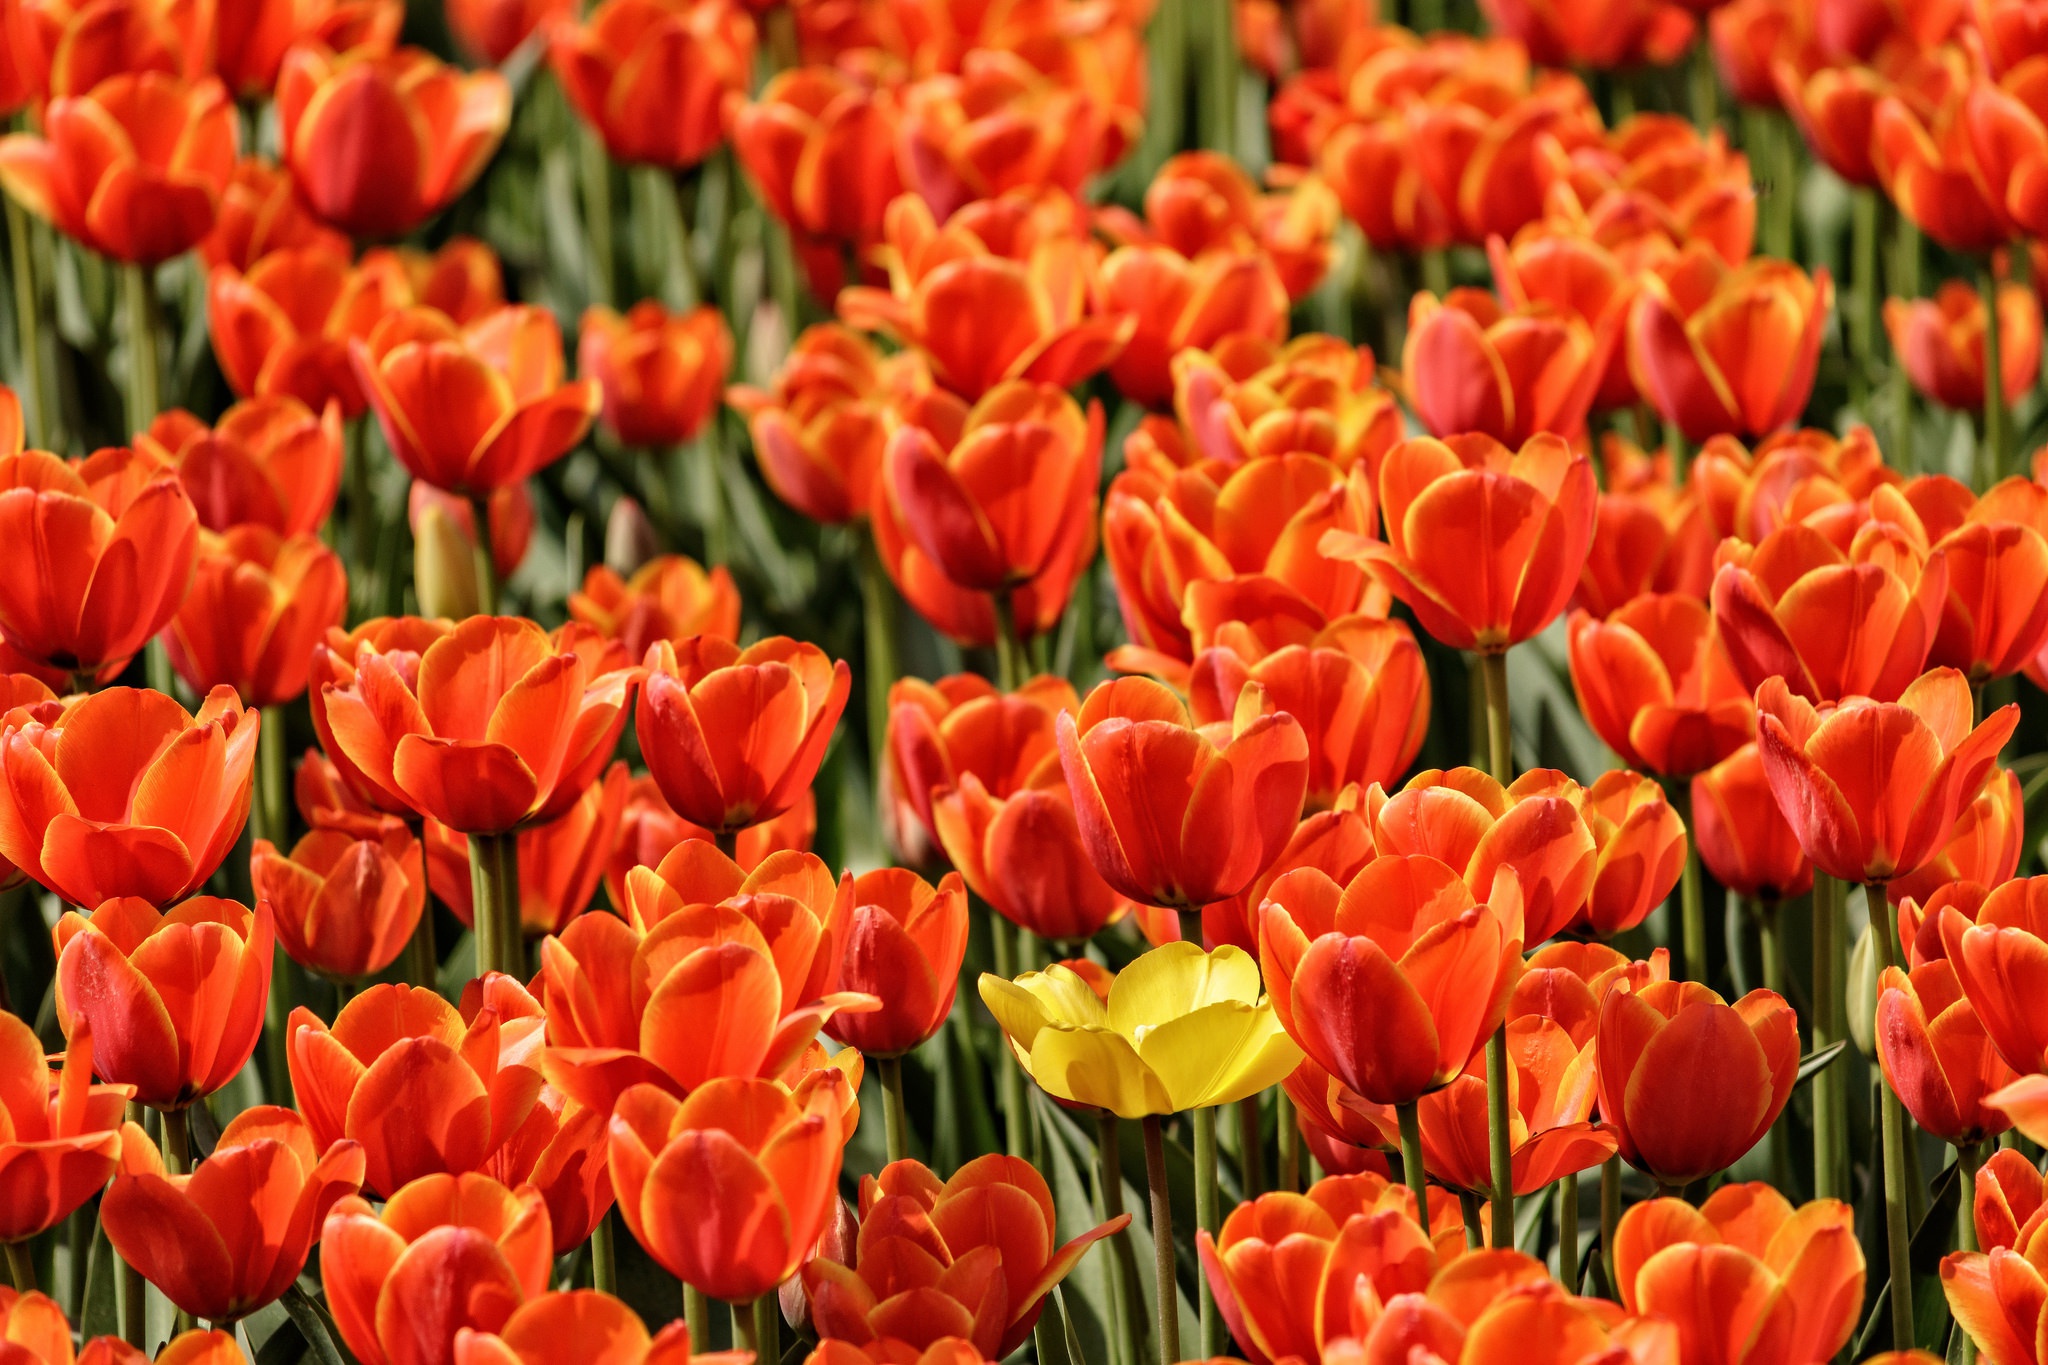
point(729, 1189)
point(904, 944)
point(1936, 1055)
point(1994, 620)
point(259, 214)
point(1470, 365)
point(1248, 398)
point(34, 1325)
point(1995, 1295)
point(1749, 493)
point(344, 907)
point(658, 80)
point(379, 144)
point(1642, 850)
point(106, 547)
point(564, 1324)
point(924, 1269)
point(1202, 200)
point(819, 144)
point(258, 603)
point(1179, 302)
point(1940, 342)
point(562, 1150)
point(1928, 162)
point(670, 597)
point(282, 326)
point(2000, 959)
point(1494, 1305)
point(734, 736)
point(1023, 854)
point(63, 1132)
point(445, 1254)
point(649, 829)
point(1983, 846)
point(270, 461)
point(134, 169)
point(1337, 841)
point(1181, 1029)
point(1656, 1044)
point(231, 1236)
point(388, 648)
point(1741, 357)
point(660, 374)
point(1655, 686)
point(1744, 840)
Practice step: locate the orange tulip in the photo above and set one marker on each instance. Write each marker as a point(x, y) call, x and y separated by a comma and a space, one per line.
point(1994, 620)
point(63, 1132)
point(1337, 842)
point(1023, 853)
point(1873, 788)
point(670, 597)
point(658, 80)
point(389, 648)
point(107, 546)
point(1219, 296)
point(33, 1324)
point(729, 1189)
point(2000, 959)
point(1537, 507)
point(1936, 1056)
point(344, 906)
point(1642, 851)
point(649, 829)
point(1983, 846)
point(423, 1088)
point(1201, 201)
point(1739, 357)
point(1744, 840)
point(1654, 1047)
point(659, 374)
point(1750, 493)
point(282, 325)
point(1658, 192)
point(561, 1150)
point(1604, 36)
point(258, 603)
point(492, 30)
point(565, 1324)
point(2009, 1200)
point(473, 408)
point(1930, 164)
point(1650, 535)
point(125, 793)
point(1248, 398)
point(905, 941)
point(1175, 814)
point(259, 214)
point(940, 733)
point(1656, 687)
point(269, 461)
point(560, 862)
point(134, 168)
point(231, 1236)
point(1471, 365)
point(1996, 1296)
point(447, 1253)
point(377, 144)
point(1940, 342)
point(1502, 1305)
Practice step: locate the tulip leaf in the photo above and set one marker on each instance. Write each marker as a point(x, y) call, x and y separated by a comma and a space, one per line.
point(1932, 1240)
point(100, 1312)
point(1069, 1156)
point(273, 1338)
point(1813, 1063)
point(314, 1325)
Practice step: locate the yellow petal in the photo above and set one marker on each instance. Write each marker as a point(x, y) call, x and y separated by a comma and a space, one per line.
point(1219, 1053)
point(1098, 1067)
point(1176, 979)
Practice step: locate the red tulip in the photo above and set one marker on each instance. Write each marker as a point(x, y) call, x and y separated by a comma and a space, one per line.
point(670, 597)
point(1982, 847)
point(660, 374)
point(1000, 124)
point(259, 214)
point(269, 461)
point(1471, 365)
point(493, 30)
point(282, 325)
point(1940, 342)
point(258, 603)
point(1740, 358)
point(819, 143)
point(658, 80)
point(1656, 687)
point(1199, 201)
point(344, 907)
point(1936, 1056)
point(1743, 838)
point(63, 1132)
point(940, 733)
point(649, 829)
point(905, 941)
point(1222, 294)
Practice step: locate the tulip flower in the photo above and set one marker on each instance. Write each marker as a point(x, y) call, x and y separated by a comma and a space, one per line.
point(734, 736)
point(1873, 788)
point(423, 1089)
point(1744, 840)
point(1995, 1295)
point(1999, 959)
point(1936, 1055)
point(940, 733)
point(1503, 1305)
point(1470, 365)
point(1174, 814)
point(560, 862)
point(1642, 850)
point(2009, 1200)
point(1655, 1044)
point(63, 1133)
point(904, 944)
point(1738, 359)
point(493, 29)
point(925, 1269)
point(1955, 166)
point(447, 1253)
point(729, 1189)
point(1940, 343)
point(344, 907)
point(281, 327)
point(106, 555)
point(258, 602)
point(1337, 842)
point(1182, 1029)
point(1538, 505)
point(658, 80)
point(649, 830)
point(1656, 687)
point(1983, 846)
point(659, 375)
point(1249, 399)
point(1622, 33)
point(473, 408)
point(1749, 494)
point(819, 145)
point(267, 461)
point(233, 1235)
point(1993, 621)
point(561, 1149)
point(1203, 200)
point(1023, 854)
point(567, 1322)
point(377, 144)
point(389, 648)
point(1798, 1273)
point(670, 597)
point(260, 215)
point(133, 168)
point(1220, 295)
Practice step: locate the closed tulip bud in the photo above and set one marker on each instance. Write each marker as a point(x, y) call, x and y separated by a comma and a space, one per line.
point(1470, 365)
point(669, 597)
point(377, 144)
point(729, 1189)
point(63, 1133)
point(268, 461)
point(446, 1253)
point(1744, 840)
point(1936, 1055)
point(1739, 358)
point(510, 519)
point(281, 326)
point(1656, 687)
point(344, 907)
point(492, 30)
point(660, 374)
point(133, 169)
point(233, 1235)
point(258, 602)
point(559, 1327)
point(443, 564)
point(658, 80)
point(1023, 854)
point(904, 944)
point(1983, 847)
point(1940, 342)
point(1653, 1046)
point(259, 214)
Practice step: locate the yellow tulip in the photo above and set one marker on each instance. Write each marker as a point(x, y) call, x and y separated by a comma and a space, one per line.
point(1183, 1029)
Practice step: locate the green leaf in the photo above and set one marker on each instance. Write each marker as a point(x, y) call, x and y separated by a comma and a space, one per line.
point(1813, 1063)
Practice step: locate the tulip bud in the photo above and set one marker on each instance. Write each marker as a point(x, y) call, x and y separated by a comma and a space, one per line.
point(1862, 986)
point(443, 566)
point(840, 1241)
point(629, 538)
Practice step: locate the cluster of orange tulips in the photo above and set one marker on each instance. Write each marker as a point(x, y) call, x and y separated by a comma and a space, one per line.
point(477, 849)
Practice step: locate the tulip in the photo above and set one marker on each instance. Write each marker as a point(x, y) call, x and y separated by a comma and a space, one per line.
point(1738, 359)
point(1749, 494)
point(377, 144)
point(1023, 854)
point(1603, 36)
point(133, 796)
point(1936, 1055)
point(106, 555)
point(670, 597)
point(1656, 687)
point(820, 146)
point(1502, 1305)
point(648, 830)
point(1337, 842)
point(660, 375)
point(1999, 961)
point(1744, 840)
point(656, 79)
point(281, 327)
point(424, 1089)
point(259, 215)
point(269, 461)
point(1642, 850)
point(1940, 343)
point(389, 649)
point(1181, 1029)
point(1538, 505)
point(565, 1324)
point(904, 945)
point(940, 733)
point(1994, 621)
point(734, 736)
point(133, 169)
point(560, 862)
point(2009, 1200)
point(561, 1150)
point(1470, 365)
point(344, 907)
point(1983, 847)
point(1220, 295)
point(1654, 1047)
point(954, 1258)
point(447, 1253)
point(1995, 1296)
point(258, 602)
point(493, 30)
point(1248, 399)
point(233, 1235)
point(63, 1132)
point(1199, 201)
point(1873, 788)
point(729, 1189)
point(473, 408)
point(1173, 814)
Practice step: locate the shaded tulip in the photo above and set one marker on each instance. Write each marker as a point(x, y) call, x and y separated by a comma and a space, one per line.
point(565, 1324)
point(1219, 295)
point(940, 733)
point(1603, 36)
point(259, 214)
point(35, 1326)
point(473, 408)
point(1175, 814)
point(819, 143)
point(281, 327)
point(1995, 620)
point(423, 1089)
point(258, 603)
point(445, 1254)
point(1337, 842)
point(1936, 1055)
point(649, 830)
point(1940, 342)
point(670, 597)
point(658, 80)
point(233, 1235)
point(1740, 356)
point(729, 1189)
point(1181, 1029)
point(1689, 1083)
point(1744, 840)
point(269, 461)
point(1642, 850)
point(1982, 847)
point(562, 1150)
point(1996, 1295)
point(560, 862)
point(2000, 959)
point(493, 30)
point(133, 169)
point(660, 374)
point(1493, 1305)
point(904, 944)
point(1873, 788)
point(63, 1133)
point(2009, 1200)
point(107, 551)
point(343, 906)
point(1537, 504)
point(444, 544)
point(1471, 365)
point(377, 144)
point(1023, 854)
point(973, 1257)
point(1656, 688)
point(1202, 200)
point(1749, 494)
point(1797, 1274)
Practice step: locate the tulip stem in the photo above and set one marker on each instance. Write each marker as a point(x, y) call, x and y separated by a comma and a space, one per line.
point(1610, 1218)
point(494, 901)
point(697, 1315)
point(878, 644)
point(1691, 904)
point(1205, 1219)
point(1123, 1280)
point(757, 1327)
point(1869, 291)
point(1251, 1147)
point(1706, 86)
point(604, 1257)
point(134, 1289)
point(1830, 1095)
point(1568, 1232)
point(21, 1262)
point(1412, 1169)
point(1010, 1078)
point(271, 778)
point(28, 321)
point(1010, 665)
point(1992, 465)
point(1501, 1149)
point(895, 1125)
point(1290, 1142)
point(1475, 1231)
point(1500, 751)
point(138, 292)
point(424, 970)
point(1166, 1282)
point(597, 215)
point(1221, 100)
point(486, 562)
point(1898, 1229)
point(177, 1142)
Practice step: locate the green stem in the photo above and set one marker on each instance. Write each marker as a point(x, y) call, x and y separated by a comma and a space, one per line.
point(1706, 87)
point(1992, 466)
point(1010, 1076)
point(273, 782)
point(1290, 1142)
point(1412, 1169)
point(277, 1014)
point(1869, 292)
point(1500, 1149)
point(134, 1289)
point(1220, 101)
point(28, 321)
point(1770, 939)
point(1166, 1282)
point(1011, 667)
point(1500, 751)
point(1692, 908)
point(1568, 1232)
point(1969, 1160)
point(1898, 1229)
point(362, 514)
point(597, 215)
point(878, 616)
point(1206, 1220)
point(1830, 1094)
point(21, 1262)
point(494, 898)
point(1124, 1295)
point(1436, 271)
point(486, 562)
point(768, 1328)
point(1475, 1234)
point(604, 1256)
point(1251, 1147)
point(697, 1315)
point(1610, 1218)
point(177, 1142)
point(895, 1126)
point(689, 287)
point(138, 293)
